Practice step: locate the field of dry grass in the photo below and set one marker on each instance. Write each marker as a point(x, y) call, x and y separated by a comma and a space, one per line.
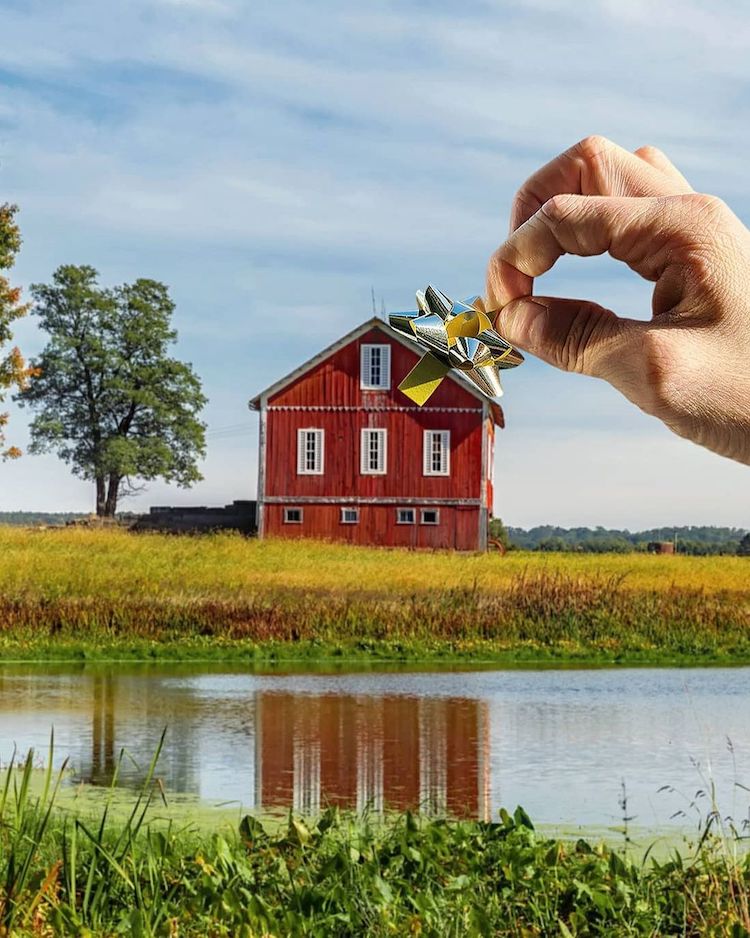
point(79, 562)
point(110, 593)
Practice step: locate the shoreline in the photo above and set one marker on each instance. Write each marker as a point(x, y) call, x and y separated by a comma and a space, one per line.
point(354, 655)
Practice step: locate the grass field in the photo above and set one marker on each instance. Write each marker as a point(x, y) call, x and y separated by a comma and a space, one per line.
point(71, 593)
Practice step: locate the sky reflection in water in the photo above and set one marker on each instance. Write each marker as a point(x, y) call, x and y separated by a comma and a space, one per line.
point(561, 743)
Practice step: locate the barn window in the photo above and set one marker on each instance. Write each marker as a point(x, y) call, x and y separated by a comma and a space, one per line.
point(309, 452)
point(373, 452)
point(350, 515)
point(375, 367)
point(437, 453)
point(405, 516)
point(430, 516)
point(292, 516)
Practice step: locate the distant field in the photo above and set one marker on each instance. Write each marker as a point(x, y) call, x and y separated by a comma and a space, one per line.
point(86, 591)
point(81, 562)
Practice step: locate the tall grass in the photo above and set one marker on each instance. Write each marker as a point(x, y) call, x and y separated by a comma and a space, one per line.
point(342, 875)
point(95, 592)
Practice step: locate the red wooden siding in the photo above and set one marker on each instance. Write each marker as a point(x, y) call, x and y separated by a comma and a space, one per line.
point(458, 528)
point(405, 433)
point(335, 381)
point(328, 397)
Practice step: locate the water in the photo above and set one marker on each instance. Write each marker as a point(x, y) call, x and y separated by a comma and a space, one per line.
point(561, 743)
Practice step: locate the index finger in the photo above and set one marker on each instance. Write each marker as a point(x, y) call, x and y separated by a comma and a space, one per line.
point(594, 166)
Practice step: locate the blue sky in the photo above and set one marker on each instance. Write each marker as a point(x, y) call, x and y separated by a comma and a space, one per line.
point(271, 161)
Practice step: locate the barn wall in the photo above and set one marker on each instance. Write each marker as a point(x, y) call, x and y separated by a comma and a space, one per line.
point(335, 381)
point(458, 528)
point(341, 475)
point(328, 397)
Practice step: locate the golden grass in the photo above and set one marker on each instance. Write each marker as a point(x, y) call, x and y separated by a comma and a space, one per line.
point(82, 563)
point(94, 593)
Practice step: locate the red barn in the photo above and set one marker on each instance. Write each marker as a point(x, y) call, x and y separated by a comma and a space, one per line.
point(344, 455)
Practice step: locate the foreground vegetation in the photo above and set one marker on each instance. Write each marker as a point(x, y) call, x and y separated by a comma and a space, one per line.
point(63, 873)
point(91, 593)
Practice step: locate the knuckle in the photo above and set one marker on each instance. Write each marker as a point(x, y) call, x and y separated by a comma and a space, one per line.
point(580, 339)
point(707, 207)
point(648, 150)
point(559, 207)
point(525, 203)
point(592, 148)
point(594, 155)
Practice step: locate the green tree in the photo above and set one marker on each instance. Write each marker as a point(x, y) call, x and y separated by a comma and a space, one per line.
point(498, 532)
point(109, 399)
point(743, 550)
point(13, 371)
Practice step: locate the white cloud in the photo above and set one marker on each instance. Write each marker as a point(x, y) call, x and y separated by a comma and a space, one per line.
point(288, 156)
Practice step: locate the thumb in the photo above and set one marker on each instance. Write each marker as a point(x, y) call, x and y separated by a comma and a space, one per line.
point(574, 335)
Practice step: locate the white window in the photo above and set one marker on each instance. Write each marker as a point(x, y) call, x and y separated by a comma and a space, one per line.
point(437, 452)
point(430, 516)
point(405, 516)
point(375, 367)
point(310, 452)
point(373, 452)
point(350, 515)
point(292, 516)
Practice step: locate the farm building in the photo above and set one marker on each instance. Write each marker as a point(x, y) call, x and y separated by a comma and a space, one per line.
point(345, 455)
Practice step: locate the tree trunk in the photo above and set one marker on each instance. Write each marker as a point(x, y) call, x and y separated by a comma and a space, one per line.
point(113, 491)
point(101, 496)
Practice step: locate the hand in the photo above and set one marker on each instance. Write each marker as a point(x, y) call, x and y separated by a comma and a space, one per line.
point(690, 364)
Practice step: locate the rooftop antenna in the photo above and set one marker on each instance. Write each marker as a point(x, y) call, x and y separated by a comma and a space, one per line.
point(374, 311)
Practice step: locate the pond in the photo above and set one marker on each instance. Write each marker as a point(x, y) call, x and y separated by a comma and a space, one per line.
point(565, 744)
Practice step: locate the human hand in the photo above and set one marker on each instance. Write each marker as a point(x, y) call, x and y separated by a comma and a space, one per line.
point(690, 364)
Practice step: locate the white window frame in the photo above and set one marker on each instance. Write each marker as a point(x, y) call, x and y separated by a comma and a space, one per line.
point(288, 520)
point(423, 512)
point(364, 451)
point(413, 516)
point(365, 367)
point(318, 456)
point(445, 456)
point(351, 508)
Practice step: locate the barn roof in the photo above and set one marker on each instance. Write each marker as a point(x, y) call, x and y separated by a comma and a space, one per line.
point(373, 323)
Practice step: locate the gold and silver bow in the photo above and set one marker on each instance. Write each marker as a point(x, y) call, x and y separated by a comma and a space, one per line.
point(455, 335)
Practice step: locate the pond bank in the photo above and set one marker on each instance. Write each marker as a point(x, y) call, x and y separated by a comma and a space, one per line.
point(343, 875)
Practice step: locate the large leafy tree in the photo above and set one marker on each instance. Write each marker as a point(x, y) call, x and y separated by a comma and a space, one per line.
point(110, 400)
point(13, 372)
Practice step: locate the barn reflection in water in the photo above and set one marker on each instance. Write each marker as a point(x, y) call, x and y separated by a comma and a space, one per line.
point(376, 752)
point(283, 750)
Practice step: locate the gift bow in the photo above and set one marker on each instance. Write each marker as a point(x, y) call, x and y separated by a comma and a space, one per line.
point(456, 335)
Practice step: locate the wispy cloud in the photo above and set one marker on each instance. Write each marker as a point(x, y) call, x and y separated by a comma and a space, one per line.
point(285, 156)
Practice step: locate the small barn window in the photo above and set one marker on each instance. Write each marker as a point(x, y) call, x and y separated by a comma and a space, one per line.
point(350, 515)
point(373, 451)
point(375, 367)
point(437, 452)
point(309, 452)
point(292, 516)
point(405, 516)
point(430, 516)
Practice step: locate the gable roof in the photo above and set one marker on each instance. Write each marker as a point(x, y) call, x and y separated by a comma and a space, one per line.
point(373, 323)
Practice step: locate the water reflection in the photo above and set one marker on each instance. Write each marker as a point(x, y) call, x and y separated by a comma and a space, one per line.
point(375, 752)
point(560, 743)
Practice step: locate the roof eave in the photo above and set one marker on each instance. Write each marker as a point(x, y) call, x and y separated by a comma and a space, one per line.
point(255, 402)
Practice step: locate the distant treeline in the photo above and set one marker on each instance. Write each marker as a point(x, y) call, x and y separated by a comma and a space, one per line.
point(39, 517)
point(688, 540)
